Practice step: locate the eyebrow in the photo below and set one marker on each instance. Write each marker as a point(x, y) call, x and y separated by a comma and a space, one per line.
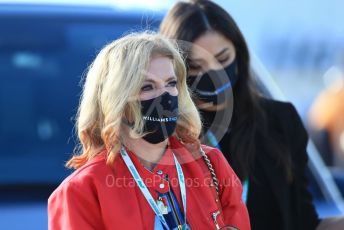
point(221, 52)
point(216, 55)
point(169, 79)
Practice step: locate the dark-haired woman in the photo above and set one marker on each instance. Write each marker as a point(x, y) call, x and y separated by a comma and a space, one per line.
point(264, 140)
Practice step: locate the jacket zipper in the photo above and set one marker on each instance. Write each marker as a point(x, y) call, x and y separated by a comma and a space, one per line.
point(174, 209)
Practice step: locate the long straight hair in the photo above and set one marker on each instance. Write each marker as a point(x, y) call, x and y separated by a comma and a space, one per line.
point(187, 21)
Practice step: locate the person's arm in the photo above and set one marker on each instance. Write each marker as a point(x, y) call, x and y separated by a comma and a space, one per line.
point(73, 206)
point(233, 208)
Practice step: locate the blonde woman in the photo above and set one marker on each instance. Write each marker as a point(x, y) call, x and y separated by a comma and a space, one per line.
point(141, 165)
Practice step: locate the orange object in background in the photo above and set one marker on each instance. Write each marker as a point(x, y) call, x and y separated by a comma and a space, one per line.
point(327, 113)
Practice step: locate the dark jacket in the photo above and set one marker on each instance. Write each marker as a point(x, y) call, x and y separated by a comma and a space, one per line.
point(274, 202)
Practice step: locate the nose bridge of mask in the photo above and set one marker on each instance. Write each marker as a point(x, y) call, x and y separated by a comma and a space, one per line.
point(160, 106)
point(212, 81)
point(213, 86)
point(217, 77)
point(161, 88)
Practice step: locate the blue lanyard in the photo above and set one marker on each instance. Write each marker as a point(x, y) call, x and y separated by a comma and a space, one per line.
point(245, 185)
point(213, 140)
point(145, 190)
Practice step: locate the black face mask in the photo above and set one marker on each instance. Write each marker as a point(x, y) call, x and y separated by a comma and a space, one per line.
point(214, 85)
point(160, 116)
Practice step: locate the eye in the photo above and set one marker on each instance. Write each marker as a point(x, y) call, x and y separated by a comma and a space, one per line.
point(223, 60)
point(146, 88)
point(194, 66)
point(172, 83)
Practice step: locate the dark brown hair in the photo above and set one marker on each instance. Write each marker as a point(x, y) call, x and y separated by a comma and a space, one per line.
point(187, 21)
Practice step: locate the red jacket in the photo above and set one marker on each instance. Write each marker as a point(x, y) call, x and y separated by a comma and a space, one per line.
point(97, 196)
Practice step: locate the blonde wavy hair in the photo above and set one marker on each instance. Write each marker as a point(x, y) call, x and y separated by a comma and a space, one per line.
point(111, 90)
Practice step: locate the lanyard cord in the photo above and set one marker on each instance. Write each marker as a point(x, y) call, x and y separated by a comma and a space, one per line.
point(145, 190)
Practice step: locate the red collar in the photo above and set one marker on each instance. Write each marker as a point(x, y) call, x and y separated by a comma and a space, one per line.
point(183, 155)
point(166, 166)
point(155, 179)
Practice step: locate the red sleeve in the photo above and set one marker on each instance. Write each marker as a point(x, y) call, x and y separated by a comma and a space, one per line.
point(234, 210)
point(74, 206)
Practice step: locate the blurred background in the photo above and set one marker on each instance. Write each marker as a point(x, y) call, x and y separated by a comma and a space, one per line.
point(297, 50)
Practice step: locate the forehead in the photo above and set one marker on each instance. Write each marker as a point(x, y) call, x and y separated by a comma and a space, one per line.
point(160, 67)
point(210, 44)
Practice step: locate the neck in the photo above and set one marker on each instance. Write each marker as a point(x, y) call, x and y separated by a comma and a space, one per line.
point(149, 154)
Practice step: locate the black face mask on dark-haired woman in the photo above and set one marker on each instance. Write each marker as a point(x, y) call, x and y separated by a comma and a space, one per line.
point(214, 85)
